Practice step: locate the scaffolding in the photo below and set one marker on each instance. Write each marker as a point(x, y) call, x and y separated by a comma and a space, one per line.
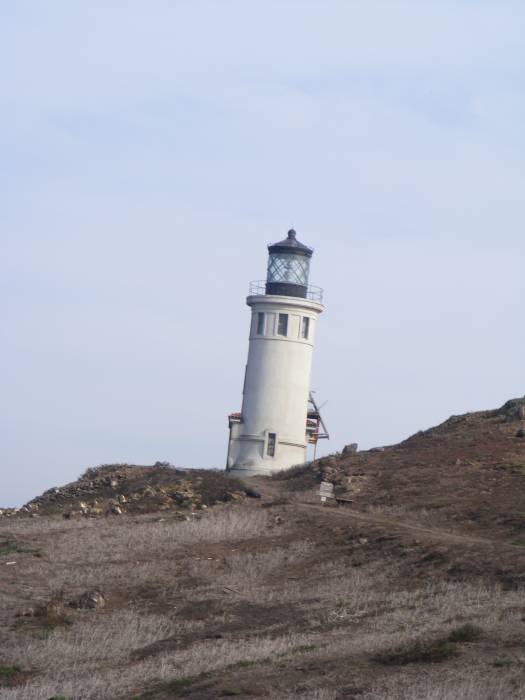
point(315, 426)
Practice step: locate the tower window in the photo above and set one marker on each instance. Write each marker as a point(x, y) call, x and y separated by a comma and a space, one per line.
point(270, 446)
point(305, 327)
point(260, 324)
point(282, 327)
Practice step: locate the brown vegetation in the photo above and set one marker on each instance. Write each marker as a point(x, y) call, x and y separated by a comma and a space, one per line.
point(414, 592)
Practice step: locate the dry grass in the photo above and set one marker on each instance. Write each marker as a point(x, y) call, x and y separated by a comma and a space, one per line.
point(224, 523)
point(80, 555)
point(509, 686)
point(99, 672)
point(337, 613)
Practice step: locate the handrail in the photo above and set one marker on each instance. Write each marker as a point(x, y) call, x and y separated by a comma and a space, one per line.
point(313, 293)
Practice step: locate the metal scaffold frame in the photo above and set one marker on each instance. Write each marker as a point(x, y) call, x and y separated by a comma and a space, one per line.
point(315, 426)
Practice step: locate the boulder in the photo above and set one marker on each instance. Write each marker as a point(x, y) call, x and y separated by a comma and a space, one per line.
point(352, 447)
point(90, 600)
point(251, 493)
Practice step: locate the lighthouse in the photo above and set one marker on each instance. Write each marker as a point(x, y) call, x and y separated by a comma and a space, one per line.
point(278, 417)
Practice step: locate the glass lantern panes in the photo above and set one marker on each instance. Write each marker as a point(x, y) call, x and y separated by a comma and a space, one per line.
point(287, 267)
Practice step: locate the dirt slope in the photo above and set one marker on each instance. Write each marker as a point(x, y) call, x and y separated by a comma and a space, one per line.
point(468, 472)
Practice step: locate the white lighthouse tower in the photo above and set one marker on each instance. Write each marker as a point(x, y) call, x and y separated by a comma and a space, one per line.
point(272, 431)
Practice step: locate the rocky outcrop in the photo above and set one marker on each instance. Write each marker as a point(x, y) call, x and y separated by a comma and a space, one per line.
point(113, 490)
point(513, 410)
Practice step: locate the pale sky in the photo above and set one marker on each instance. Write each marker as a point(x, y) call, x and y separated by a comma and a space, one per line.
point(150, 151)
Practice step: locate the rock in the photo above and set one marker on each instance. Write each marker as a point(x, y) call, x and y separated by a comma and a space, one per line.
point(178, 497)
point(26, 612)
point(116, 510)
point(90, 600)
point(252, 493)
point(513, 409)
point(520, 433)
point(377, 449)
point(352, 447)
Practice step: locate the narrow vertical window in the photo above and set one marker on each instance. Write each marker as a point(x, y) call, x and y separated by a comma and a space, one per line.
point(305, 328)
point(282, 326)
point(270, 447)
point(260, 324)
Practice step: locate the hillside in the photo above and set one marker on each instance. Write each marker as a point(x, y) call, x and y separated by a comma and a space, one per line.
point(116, 489)
point(414, 590)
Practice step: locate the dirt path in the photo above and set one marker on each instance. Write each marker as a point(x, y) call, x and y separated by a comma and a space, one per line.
point(269, 490)
point(394, 525)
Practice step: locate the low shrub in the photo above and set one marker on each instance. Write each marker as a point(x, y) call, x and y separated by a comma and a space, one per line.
point(502, 663)
point(9, 671)
point(417, 652)
point(465, 633)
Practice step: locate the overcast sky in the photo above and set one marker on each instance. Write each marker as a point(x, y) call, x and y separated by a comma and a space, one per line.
point(149, 151)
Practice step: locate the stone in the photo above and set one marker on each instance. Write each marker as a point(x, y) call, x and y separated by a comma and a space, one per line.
point(178, 497)
point(514, 409)
point(352, 447)
point(90, 600)
point(252, 493)
point(27, 612)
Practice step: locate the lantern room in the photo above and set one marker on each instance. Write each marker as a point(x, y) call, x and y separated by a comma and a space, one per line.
point(288, 267)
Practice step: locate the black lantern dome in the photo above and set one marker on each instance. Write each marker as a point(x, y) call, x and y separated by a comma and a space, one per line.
point(288, 267)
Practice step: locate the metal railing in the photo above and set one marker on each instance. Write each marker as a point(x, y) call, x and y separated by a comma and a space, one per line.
point(313, 293)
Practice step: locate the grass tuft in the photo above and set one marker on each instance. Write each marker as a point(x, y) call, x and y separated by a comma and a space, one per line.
point(9, 671)
point(502, 663)
point(465, 633)
point(417, 653)
point(231, 692)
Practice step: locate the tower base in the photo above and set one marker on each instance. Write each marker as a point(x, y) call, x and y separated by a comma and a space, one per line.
point(243, 472)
